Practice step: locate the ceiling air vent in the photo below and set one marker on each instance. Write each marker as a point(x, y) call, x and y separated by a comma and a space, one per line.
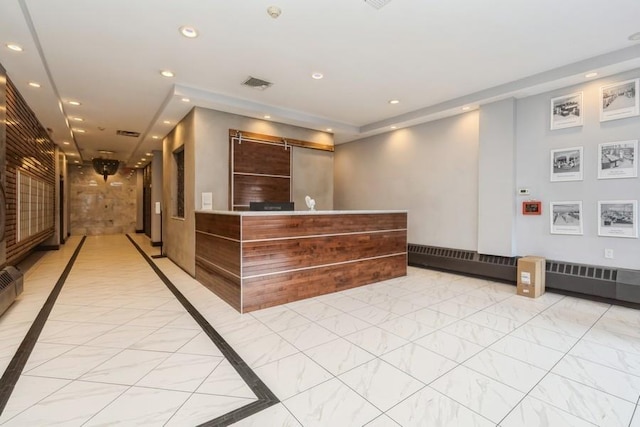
point(256, 83)
point(129, 133)
point(378, 4)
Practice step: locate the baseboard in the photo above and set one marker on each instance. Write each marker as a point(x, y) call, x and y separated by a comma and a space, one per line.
point(155, 244)
point(139, 231)
point(47, 248)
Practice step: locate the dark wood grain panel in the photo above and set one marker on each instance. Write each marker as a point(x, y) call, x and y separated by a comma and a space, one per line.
point(30, 149)
point(274, 226)
point(279, 289)
point(221, 225)
point(258, 158)
point(281, 255)
point(260, 189)
point(219, 282)
point(221, 252)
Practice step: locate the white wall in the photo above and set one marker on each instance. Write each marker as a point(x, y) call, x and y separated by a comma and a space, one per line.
point(430, 170)
point(534, 140)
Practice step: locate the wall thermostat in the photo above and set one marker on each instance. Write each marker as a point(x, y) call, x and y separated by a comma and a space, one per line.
point(524, 191)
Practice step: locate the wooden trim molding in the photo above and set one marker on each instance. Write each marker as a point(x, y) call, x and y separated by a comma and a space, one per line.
point(234, 133)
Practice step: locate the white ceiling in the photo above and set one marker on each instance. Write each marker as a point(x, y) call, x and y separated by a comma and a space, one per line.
point(435, 56)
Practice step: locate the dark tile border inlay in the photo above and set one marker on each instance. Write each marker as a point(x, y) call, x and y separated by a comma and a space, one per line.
point(19, 360)
point(265, 396)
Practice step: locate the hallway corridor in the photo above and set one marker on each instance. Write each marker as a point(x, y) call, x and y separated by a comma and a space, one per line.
point(125, 344)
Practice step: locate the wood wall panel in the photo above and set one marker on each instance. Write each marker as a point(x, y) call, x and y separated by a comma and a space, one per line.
point(219, 282)
point(279, 289)
point(220, 225)
point(260, 189)
point(276, 226)
point(226, 253)
point(281, 255)
point(257, 158)
point(284, 268)
point(29, 148)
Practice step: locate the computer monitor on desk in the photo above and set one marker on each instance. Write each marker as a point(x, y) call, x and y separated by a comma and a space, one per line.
point(271, 206)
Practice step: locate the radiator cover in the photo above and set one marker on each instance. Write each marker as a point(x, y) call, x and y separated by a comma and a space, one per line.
point(589, 280)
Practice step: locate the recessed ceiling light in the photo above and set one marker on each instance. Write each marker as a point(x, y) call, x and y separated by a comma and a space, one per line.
point(329, 130)
point(317, 76)
point(394, 127)
point(185, 100)
point(14, 47)
point(634, 37)
point(466, 108)
point(155, 137)
point(78, 130)
point(394, 101)
point(266, 116)
point(77, 161)
point(71, 154)
point(167, 73)
point(77, 119)
point(143, 159)
point(76, 103)
point(188, 31)
point(166, 122)
point(148, 154)
point(65, 142)
point(589, 75)
point(34, 84)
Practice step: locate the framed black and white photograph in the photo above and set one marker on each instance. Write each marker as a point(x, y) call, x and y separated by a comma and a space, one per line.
point(619, 100)
point(617, 160)
point(566, 164)
point(566, 111)
point(618, 218)
point(566, 217)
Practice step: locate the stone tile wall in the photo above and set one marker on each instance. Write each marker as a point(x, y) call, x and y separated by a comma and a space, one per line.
point(99, 207)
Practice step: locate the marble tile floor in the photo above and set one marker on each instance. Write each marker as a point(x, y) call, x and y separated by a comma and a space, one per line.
point(430, 349)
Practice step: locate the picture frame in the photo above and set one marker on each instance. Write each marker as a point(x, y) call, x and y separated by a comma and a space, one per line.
point(618, 159)
point(566, 164)
point(618, 218)
point(566, 217)
point(619, 100)
point(566, 111)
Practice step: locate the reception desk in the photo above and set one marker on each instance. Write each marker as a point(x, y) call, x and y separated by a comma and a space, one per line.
point(254, 260)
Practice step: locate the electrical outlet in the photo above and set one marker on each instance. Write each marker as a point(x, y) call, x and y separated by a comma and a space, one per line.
point(608, 253)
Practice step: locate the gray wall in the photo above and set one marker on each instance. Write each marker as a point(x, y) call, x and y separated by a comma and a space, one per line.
point(205, 135)
point(431, 170)
point(533, 170)
point(179, 233)
point(496, 178)
point(156, 196)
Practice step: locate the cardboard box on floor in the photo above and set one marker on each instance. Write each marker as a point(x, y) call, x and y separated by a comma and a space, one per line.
point(531, 273)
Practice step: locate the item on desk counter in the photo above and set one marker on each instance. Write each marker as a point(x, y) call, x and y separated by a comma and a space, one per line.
point(311, 204)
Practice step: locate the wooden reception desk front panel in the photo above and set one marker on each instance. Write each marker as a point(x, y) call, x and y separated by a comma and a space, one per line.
point(254, 260)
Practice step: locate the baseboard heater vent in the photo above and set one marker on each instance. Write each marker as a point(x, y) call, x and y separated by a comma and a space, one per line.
point(11, 284)
point(590, 280)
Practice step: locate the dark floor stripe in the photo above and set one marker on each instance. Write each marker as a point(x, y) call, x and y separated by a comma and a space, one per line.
point(266, 398)
point(19, 360)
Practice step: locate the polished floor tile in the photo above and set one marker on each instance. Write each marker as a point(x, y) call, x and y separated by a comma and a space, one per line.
point(429, 349)
point(331, 403)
